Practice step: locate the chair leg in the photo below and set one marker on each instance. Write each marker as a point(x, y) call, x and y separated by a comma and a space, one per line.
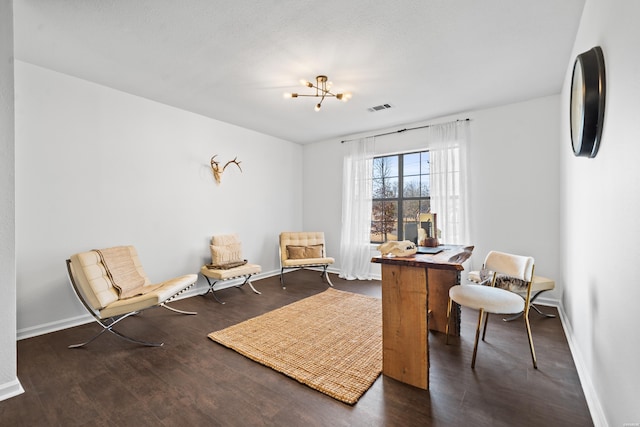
point(475, 345)
point(135, 341)
point(247, 281)
point(484, 331)
point(551, 316)
point(446, 328)
point(211, 285)
point(175, 310)
point(282, 278)
point(109, 327)
point(105, 329)
point(533, 351)
point(326, 276)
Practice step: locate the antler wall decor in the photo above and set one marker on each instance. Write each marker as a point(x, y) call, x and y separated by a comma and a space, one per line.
point(215, 167)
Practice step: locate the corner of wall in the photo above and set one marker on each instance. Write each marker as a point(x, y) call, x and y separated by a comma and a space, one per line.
point(10, 389)
point(590, 392)
point(9, 385)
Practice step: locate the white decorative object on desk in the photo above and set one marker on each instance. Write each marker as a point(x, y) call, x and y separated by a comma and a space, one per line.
point(402, 248)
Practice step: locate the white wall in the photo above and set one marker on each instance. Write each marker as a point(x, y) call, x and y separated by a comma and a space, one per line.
point(9, 384)
point(601, 207)
point(514, 179)
point(515, 190)
point(96, 167)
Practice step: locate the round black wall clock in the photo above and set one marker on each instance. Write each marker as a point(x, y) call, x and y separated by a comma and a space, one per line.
point(587, 102)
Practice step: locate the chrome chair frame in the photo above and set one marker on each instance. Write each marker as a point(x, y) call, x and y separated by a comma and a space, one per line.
point(108, 323)
point(247, 281)
point(300, 267)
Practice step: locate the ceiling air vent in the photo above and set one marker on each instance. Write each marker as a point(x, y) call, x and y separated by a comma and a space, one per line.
point(379, 107)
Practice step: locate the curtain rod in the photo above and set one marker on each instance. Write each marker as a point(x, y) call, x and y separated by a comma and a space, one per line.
point(404, 130)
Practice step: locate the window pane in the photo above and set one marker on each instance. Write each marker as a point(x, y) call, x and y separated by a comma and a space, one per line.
point(378, 192)
point(383, 231)
point(425, 206)
point(390, 188)
point(411, 164)
point(385, 188)
point(390, 212)
point(376, 236)
point(392, 234)
point(385, 167)
point(392, 165)
point(376, 212)
point(377, 167)
point(384, 211)
point(425, 163)
point(425, 186)
point(384, 224)
point(410, 210)
point(411, 186)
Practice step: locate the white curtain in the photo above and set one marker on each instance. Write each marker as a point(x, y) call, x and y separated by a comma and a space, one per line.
point(355, 253)
point(448, 147)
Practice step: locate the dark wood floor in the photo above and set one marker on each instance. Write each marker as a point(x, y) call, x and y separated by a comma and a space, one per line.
point(192, 381)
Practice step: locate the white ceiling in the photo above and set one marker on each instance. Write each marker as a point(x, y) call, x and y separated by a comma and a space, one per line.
point(233, 60)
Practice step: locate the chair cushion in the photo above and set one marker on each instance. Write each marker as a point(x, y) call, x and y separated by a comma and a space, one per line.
point(302, 239)
point(299, 238)
point(307, 262)
point(304, 252)
point(159, 293)
point(542, 284)
point(225, 239)
point(517, 266)
point(226, 254)
point(94, 282)
point(492, 300)
point(226, 274)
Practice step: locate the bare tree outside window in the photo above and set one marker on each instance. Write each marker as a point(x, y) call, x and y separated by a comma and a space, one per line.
point(401, 190)
point(384, 216)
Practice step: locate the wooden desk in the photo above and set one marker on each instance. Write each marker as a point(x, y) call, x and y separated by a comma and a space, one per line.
point(410, 285)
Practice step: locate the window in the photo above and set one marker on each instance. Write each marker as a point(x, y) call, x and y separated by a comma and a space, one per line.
point(401, 190)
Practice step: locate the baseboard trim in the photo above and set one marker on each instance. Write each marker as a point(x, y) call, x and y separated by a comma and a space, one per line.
point(58, 325)
point(10, 389)
point(593, 401)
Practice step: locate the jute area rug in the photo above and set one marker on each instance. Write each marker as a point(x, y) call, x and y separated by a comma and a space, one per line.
point(331, 342)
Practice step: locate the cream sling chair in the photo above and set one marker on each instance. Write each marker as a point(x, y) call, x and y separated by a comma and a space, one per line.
point(490, 299)
point(302, 249)
point(227, 264)
point(97, 289)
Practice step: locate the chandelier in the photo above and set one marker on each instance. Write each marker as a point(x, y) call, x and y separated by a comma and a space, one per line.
point(322, 88)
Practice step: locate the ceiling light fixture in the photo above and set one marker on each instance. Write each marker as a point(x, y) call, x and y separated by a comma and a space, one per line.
point(322, 88)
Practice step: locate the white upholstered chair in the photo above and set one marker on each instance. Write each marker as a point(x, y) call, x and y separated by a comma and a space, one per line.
point(97, 287)
point(539, 285)
point(490, 299)
point(227, 263)
point(303, 249)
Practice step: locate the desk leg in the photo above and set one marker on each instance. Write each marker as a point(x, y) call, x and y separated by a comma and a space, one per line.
point(404, 325)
